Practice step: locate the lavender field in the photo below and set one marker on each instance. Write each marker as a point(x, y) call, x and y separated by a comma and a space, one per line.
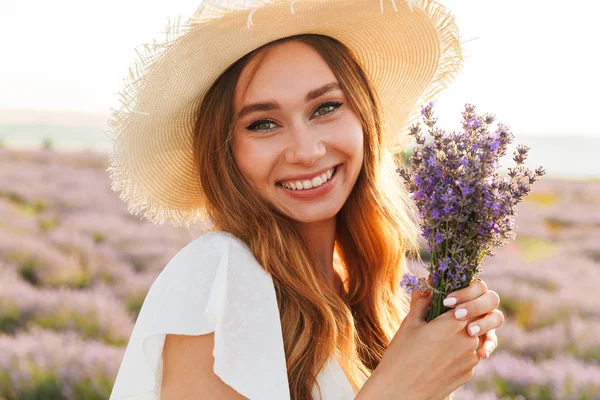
point(75, 267)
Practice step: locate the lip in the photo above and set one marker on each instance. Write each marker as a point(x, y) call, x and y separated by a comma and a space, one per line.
point(310, 194)
point(306, 176)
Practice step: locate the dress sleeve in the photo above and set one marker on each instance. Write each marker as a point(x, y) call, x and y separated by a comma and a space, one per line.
point(214, 284)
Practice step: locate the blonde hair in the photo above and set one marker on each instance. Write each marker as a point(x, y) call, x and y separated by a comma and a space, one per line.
point(375, 230)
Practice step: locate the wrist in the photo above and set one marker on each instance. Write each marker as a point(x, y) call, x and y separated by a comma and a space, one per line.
point(380, 387)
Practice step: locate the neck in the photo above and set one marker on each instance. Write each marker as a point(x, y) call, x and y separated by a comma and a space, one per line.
point(320, 239)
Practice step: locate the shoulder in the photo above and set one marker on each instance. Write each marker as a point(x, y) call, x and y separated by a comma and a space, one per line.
point(196, 278)
point(211, 245)
point(213, 284)
point(215, 238)
point(199, 260)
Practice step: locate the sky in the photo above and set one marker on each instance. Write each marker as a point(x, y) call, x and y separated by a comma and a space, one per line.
point(533, 63)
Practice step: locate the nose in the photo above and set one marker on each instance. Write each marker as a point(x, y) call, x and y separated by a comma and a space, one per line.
point(305, 146)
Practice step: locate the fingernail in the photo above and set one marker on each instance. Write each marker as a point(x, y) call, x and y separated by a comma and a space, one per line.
point(487, 354)
point(449, 301)
point(474, 329)
point(460, 313)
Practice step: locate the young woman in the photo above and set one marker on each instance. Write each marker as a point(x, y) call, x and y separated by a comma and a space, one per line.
point(279, 122)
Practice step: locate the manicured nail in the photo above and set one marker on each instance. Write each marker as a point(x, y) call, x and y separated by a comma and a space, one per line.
point(474, 330)
point(460, 313)
point(449, 301)
point(487, 354)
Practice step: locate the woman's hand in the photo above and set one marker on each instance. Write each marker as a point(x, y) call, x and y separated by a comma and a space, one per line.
point(424, 360)
point(481, 305)
point(430, 360)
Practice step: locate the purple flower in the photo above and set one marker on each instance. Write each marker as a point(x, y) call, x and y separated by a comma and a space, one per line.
point(438, 238)
point(495, 144)
point(418, 195)
point(443, 266)
point(466, 208)
point(465, 190)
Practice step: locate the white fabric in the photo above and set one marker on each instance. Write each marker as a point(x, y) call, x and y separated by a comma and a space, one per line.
point(214, 284)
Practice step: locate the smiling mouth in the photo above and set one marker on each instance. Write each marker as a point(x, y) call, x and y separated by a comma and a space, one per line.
point(308, 184)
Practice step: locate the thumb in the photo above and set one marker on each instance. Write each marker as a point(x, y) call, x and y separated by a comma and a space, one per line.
point(419, 306)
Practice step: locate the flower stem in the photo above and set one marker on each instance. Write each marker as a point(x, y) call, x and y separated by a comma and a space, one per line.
point(437, 306)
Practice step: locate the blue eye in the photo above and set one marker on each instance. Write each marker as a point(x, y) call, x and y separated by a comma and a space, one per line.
point(262, 125)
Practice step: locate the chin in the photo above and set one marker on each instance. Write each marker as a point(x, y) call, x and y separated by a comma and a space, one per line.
point(312, 218)
point(309, 216)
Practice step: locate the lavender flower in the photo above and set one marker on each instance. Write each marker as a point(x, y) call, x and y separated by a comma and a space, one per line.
point(96, 313)
point(466, 208)
point(74, 362)
point(563, 377)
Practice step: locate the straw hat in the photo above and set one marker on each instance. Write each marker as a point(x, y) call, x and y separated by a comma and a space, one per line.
point(409, 49)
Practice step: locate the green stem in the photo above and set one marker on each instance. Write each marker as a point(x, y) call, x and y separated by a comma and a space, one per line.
point(437, 305)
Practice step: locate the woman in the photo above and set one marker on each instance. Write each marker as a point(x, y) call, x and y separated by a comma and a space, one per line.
point(283, 137)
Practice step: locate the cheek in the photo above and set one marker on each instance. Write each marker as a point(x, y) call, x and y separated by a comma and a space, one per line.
point(350, 138)
point(254, 161)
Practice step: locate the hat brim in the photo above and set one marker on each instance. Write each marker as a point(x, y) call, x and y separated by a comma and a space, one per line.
point(409, 56)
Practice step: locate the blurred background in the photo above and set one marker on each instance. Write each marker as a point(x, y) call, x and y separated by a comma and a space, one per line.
point(75, 266)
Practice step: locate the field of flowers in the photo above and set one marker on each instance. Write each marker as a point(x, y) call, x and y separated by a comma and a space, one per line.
point(75, 267)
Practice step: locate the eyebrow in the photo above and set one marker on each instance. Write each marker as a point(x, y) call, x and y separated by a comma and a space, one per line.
point(273, 105)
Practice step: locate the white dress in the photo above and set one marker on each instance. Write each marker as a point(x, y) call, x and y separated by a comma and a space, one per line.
point(214, 284)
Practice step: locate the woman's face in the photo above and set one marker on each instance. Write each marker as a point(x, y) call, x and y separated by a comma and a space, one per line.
point(294, 125)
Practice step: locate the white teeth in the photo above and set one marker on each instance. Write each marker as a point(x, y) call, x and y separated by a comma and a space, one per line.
point(308, 184)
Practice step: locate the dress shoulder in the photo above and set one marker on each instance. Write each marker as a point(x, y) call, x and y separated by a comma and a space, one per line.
point(213, 284)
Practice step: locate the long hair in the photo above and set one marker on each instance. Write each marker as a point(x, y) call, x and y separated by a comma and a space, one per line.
point(376, 229)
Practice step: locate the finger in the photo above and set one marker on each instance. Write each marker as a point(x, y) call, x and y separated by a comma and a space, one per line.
point(484, 325)
point(419, 307)
point(478, 307)
point(425, 283)
point(482, 340)
point(490, 343)
point(475, 289)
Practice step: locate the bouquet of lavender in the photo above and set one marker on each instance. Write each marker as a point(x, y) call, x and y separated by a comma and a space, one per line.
point(466, 208)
